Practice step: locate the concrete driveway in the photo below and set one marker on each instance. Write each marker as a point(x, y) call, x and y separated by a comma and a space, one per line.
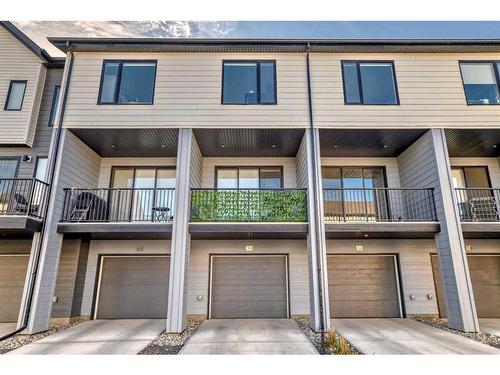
point(125, 336)
point(490, 325)
point(6, 328)
point(249, 336)
point(405, 336)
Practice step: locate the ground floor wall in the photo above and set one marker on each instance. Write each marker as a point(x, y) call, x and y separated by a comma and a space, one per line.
point(415, 269)
point(198, 272)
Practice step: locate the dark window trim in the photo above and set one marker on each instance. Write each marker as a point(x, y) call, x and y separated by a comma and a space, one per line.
point(9, 92)
point(462, 168)
point(119, 80)
point(496, 72)
point(38, 157)
point(16, 158)
point(342, 167)
point(258, 62)
point(53, 106)
point(360, 86)
point(238, 167)
point(134, 168)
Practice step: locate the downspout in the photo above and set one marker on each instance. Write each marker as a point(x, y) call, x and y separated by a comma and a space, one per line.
point(33, 276)
point(315, 196)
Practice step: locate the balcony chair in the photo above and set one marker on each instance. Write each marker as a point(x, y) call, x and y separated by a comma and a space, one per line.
point(88, 207)
point(484, 209)
point(21, 206)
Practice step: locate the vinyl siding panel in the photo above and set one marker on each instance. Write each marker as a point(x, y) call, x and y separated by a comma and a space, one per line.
point(430, 91)
point(301, 164)
point(196, 165)
point(19, 63)
point(199, 269)
point(414, 267)
point(288, 164)
point(187, 94)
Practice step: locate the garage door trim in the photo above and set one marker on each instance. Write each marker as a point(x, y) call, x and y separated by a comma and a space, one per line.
point(102, 257)
point(211, 268)
point(397, 275)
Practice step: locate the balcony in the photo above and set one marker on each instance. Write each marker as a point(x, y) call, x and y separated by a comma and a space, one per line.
point(128, 212)
point(21, 205)
point(479, 211)
point(379, 212)
point(248, 213)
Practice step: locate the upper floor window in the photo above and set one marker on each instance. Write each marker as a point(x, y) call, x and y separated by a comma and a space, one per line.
point(8, 167)
point(249, 178)
point(249, 82)
point(127, 82)
point(369, 83)
point(53, 108)
point(481, 81)
point(15, 96)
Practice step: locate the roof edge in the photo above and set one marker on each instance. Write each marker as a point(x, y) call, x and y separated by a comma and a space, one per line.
point(41, 53)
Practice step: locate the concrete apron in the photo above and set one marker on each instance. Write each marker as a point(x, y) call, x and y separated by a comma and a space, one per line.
point(405, 336)
point(122, 336)
point(249, 336)
point(490, 325)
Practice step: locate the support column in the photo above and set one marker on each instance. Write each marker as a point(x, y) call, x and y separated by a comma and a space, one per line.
point(426, 164)
point(309, 160)
point(187, 154)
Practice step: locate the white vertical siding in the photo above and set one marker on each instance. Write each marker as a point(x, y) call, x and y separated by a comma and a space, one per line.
point(288, 164)
point(199, 269)
point(415, 267)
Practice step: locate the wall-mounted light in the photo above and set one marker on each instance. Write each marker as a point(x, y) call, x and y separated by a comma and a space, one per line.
point(199, 298)
point(27, 158)
point(430, 296)
point(412, 297)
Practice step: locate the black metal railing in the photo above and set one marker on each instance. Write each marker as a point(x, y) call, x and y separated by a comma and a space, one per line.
point(118, 205)
point(378, 205)
point(22, 196)
point(478, 205)
point(248, 205)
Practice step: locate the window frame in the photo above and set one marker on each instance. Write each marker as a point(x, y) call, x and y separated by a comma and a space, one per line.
point(238, 167)
point(17, 159)
point(496, 72)
point(360, 86)
point(119, 81)
point(38, 157)
point(258, 62)
point(53, 106)
point(362, 167)
point(135, 168)
point(462, 168)
point(9, 92)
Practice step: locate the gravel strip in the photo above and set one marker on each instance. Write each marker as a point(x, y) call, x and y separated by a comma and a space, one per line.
point(482, 337)
point(315, 337)
point(172, 343)
point(17, 341)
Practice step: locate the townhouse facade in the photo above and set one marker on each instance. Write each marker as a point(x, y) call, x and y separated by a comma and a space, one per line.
point(269, 178)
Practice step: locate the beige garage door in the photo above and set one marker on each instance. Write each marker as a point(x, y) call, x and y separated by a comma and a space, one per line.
point(251, 286)
point(485, 278)
point(132, 287)
point(363, 286)
point(12, 276)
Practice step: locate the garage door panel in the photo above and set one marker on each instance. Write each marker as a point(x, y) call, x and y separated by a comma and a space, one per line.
point(363, 286)
point(13, 270)
point(365, 309)
point(134, 287)
point(268, 309)
point(249, 287)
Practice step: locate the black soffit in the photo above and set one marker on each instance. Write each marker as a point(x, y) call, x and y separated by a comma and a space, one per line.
point(249, 142)
point(367, 142)
point(130, 142)
point(473, 142)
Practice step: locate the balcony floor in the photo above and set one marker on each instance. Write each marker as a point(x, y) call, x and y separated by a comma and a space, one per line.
point(120, 230)
point(481, 230)
point(19, 225)
point(349, 230)
point(248, 230)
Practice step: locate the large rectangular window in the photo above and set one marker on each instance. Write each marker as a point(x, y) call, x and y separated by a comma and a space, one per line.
point(8, 167)
point(369, 83)
point(249, 178)
point(15, 96)
point(53, 108)
point(249, 82)
point(481, 82)
point(127, 82)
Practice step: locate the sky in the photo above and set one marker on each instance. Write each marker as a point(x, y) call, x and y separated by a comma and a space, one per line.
point(39, 30)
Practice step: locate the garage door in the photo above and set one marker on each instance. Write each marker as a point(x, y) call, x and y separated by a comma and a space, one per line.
point(248, 287)
point(363, 286)
point(132, 287)
point(12, 276)
point(485, 278)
